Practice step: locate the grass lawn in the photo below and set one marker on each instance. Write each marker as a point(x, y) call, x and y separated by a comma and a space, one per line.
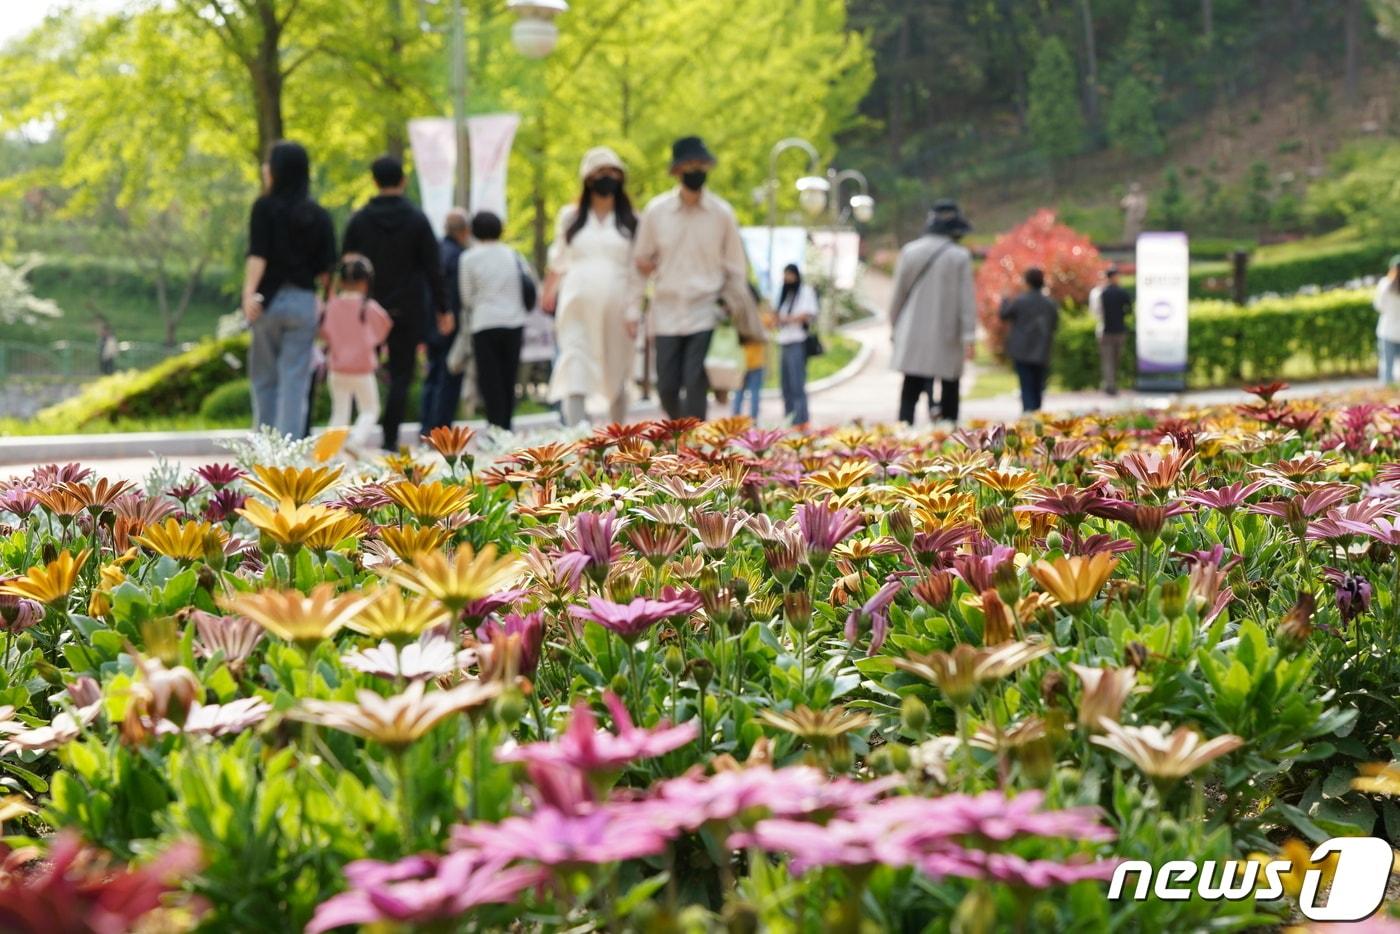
point(840, 350)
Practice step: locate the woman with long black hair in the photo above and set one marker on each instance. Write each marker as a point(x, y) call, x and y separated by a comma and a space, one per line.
point(291, 251)
point(796, 311)
point(590, 265)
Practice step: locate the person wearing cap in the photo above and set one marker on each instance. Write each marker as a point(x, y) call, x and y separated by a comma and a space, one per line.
point(587, 291)
point(933, 314)
point(1111, 304)
point(688, 247)
point(1387, 304)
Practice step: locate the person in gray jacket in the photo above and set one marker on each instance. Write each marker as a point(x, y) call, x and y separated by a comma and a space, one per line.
point(1034, 319)
point(933, 315)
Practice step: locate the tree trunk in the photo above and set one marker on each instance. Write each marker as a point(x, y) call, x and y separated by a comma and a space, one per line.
point(1091, 65)
point(1351, 26)
point(265, 70)
point(1208, 22)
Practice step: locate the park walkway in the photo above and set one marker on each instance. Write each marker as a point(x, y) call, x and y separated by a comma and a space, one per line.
point(868, 393)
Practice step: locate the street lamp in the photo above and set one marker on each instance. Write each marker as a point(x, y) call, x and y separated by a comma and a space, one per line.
point(534, 32)
point(811, 191)
point(535, 35)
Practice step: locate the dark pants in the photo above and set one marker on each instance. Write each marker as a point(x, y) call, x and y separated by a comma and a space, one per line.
point(1110, 351)
point(916, 386)
point(402, 345)
point(680, 374)
point(442, 389)
point(497, 353)
point(1032, 377)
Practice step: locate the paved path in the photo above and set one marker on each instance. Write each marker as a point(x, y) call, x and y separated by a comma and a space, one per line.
point(871, 395)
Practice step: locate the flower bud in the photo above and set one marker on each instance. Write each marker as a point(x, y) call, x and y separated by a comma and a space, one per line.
point(1052, 687)
point(797, 610)
point(1136, 655)
point(935, 590)
point(619, 685)
point(993, 520)
point(880, 762)
point(996, 620)
point(841, 757)
point(977, 912)
point(1007, 582)
point(702, 670)
point(913, 716)
point(901, 525)
point(1171, 599)
point(740, 917)
point(509, 707)
point(899, 755)
point(1295, 627)
point(1055, 541)
point(674, 661)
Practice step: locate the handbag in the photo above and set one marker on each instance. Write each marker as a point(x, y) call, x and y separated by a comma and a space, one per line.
point(529, 292)
point(812, 344)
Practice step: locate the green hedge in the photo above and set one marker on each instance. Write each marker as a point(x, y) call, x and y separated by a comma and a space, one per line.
point(176, 386)
point(105, 278)
point(1325, 334)
point(1323, 266)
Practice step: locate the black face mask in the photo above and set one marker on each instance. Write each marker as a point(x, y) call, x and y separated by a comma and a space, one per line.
point(605, 186)
point(695, 180)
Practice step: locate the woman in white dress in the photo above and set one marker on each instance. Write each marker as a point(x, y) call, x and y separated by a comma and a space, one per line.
point(587, 289)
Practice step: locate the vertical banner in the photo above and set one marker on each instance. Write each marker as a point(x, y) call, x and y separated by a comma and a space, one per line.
point(434, 143)
point(1162, 304)
point(789, 246)
point(840, 256)
point(490, 137)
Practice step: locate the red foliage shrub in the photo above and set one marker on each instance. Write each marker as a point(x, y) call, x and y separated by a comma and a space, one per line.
point(1071, 263)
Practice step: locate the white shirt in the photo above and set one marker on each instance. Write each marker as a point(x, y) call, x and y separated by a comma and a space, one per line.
point(790, 330)
point(489, 277)
point(1387, 303)
point(697, 252)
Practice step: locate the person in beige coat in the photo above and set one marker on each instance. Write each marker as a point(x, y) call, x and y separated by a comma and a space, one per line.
point(933, 316)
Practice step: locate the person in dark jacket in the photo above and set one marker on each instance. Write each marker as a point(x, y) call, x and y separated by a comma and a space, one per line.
point(398, 241)
point(291, 251)
point(442, 389)
point(1033, 318)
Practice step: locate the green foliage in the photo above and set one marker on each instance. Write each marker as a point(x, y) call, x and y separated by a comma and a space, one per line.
point(1284, 273)
point(1364, 192)
point(1132, 121)
point(1052, 113)
point(1332, 333)
point(175, 386)
point(229, 402)
point(1258, 194)
point(1168, 210)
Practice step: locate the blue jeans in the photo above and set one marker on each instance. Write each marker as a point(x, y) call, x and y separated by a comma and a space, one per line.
point(1032, 377)
point(279, 361)
point(792, 373)
point(753, 386)
point(442, 389)
point(1390, 355)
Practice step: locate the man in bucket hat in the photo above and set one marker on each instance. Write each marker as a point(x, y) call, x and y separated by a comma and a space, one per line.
point(688, 246)
point(933, 317)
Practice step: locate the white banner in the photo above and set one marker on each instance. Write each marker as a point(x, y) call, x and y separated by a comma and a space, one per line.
point(490, 137)
point(537, 344)
point(840, 255)
point(789, 246)
point(1162, 303)
point(434, 142)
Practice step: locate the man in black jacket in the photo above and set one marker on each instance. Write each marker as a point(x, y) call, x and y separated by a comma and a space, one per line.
point(442, 389)
point(399, 242)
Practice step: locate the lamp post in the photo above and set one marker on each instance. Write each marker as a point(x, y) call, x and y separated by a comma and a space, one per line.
point(535, 35)
point(860, 206)
point(812, 190)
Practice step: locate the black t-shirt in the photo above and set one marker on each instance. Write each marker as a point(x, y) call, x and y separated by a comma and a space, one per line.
point(296, 238)
point(1117, 304)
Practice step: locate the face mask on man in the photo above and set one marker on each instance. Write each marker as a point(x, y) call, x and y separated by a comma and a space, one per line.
point(695, 180)
point(605, 186)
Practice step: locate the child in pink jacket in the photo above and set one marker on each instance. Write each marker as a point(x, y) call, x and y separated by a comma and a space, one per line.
point(353, 326)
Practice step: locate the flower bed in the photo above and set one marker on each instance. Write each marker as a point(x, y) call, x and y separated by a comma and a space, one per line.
point(688, 677)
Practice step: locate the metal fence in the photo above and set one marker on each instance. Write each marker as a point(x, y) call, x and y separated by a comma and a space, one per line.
point(76, 359)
